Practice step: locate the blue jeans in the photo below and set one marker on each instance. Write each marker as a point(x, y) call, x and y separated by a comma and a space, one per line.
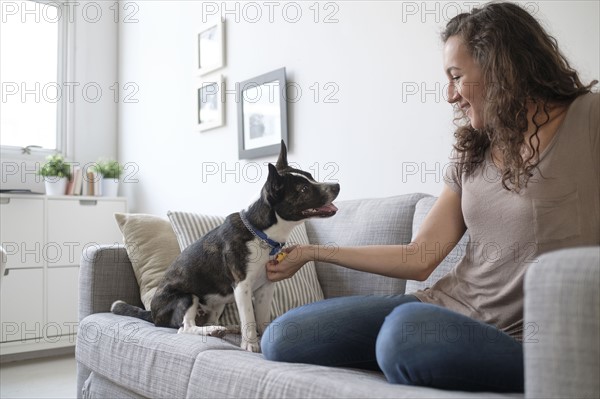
point(413, 343)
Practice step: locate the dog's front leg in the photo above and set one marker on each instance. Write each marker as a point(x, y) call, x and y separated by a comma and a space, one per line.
point(262, 306)
point(243, 299)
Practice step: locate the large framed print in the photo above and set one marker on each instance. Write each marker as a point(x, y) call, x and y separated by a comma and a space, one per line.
point(262, 115)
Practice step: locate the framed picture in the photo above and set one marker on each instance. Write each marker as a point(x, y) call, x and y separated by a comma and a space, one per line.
point(211, 48)
point(209, 104)
point(262, 115)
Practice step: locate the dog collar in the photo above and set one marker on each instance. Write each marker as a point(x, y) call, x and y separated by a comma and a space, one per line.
point(275, 246)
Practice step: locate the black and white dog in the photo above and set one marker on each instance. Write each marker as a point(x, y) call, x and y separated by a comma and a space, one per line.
point(228, 263)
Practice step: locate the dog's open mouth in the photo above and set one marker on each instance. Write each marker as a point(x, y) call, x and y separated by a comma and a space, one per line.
point(322, 212)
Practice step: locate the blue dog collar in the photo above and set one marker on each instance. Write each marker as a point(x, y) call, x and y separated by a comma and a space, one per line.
point(275, 246)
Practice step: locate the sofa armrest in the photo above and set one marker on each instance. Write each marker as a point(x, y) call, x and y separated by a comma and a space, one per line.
point(562, 326)
point(106, 275)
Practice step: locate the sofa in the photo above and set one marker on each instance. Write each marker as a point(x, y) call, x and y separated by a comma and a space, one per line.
point(122, 357)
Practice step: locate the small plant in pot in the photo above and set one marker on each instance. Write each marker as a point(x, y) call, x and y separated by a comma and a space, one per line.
point(111, 171)
point(56, 173)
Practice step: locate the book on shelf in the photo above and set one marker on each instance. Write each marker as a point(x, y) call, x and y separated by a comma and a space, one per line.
point(92, 184)
point(85, 183)
point(75, 182)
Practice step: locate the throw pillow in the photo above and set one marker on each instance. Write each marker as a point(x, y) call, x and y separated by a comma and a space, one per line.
point(152, 247)
point(303, 288)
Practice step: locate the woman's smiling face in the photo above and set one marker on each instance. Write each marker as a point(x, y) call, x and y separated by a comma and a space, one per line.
point(466, 80)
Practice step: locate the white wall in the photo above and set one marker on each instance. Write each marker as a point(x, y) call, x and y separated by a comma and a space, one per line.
point(379, 139)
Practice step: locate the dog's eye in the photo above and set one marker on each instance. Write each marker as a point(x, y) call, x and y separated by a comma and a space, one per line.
point(304, 189)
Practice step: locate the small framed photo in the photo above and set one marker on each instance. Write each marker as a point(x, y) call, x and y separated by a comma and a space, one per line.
point(262, 115)
point(211, 48)
point(211, 110)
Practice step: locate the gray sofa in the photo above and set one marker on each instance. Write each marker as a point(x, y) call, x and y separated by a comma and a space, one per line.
point(129, 358)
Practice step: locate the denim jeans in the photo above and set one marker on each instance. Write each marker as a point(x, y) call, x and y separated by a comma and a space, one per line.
point(413, 343)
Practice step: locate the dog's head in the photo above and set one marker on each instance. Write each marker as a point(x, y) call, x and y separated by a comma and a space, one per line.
point(295, 195)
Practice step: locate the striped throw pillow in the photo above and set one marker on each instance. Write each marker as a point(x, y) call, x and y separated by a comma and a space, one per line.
point(303, 288)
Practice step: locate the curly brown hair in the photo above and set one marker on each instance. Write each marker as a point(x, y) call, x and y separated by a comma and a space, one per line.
point(520, 63)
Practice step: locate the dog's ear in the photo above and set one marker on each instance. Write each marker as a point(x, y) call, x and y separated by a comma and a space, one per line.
point(282, 162)
point(274, 185)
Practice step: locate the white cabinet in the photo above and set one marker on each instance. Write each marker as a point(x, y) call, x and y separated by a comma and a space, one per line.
point(62, 303)
point(22, 230)
point(22, 304)
point(75, 224)
point(44, 237)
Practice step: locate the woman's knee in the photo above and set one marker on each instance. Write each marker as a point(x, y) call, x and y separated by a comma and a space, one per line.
point(427, 345)
point(397, 340)
point(282, 337)
point(329, 329)
point(290, 337)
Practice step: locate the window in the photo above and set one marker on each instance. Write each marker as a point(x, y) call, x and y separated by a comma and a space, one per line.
point(32, 75)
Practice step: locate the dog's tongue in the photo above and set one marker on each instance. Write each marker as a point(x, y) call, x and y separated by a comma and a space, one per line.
point(323, 212)
point(328, 208)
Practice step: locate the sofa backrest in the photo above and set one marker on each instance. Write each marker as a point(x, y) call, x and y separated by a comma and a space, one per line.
point(393, 220)
point(363, 222)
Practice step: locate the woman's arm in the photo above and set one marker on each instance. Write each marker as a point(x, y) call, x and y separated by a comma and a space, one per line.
point(440, 232)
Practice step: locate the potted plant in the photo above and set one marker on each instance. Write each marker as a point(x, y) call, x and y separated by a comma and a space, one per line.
point(111, 171)
point(56, 173)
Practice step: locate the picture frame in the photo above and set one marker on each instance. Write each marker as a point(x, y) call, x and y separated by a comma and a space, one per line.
point(210, 107)
point(262, 115)
point(211, 48)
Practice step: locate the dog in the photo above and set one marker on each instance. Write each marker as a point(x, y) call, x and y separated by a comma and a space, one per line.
point(229, 263)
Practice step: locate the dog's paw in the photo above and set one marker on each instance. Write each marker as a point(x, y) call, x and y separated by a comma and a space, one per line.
point(250, 346)
point(211, 331)
point(116, 305)
point(234, 329)
point(216, 331)
point(193, 330)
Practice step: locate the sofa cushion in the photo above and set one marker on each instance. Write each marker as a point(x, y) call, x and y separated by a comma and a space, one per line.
point(151, 246)
point(237, 374)
point(363, 222)
point(303, 288)
point(148, 360)
point(421, 210)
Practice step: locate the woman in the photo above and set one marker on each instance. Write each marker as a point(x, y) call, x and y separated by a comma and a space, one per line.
point(526, 162)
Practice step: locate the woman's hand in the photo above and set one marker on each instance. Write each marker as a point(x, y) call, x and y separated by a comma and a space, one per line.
point(289, 265)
